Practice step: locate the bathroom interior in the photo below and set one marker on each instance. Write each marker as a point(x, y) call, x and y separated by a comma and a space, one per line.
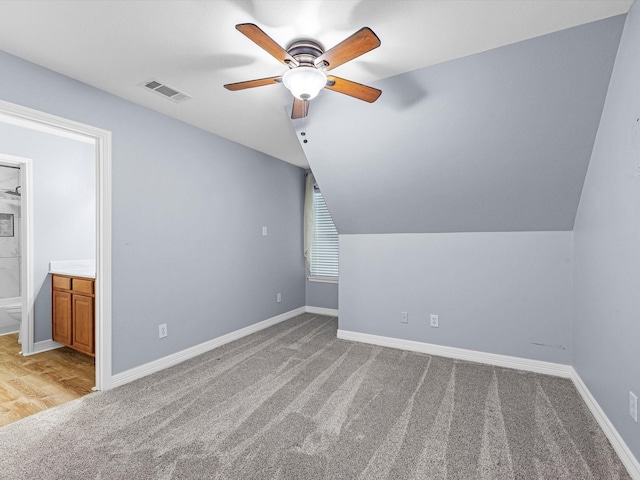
point(10, 255)
point(63, 236)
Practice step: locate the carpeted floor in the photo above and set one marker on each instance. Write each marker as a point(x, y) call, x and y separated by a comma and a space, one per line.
point(294, 402)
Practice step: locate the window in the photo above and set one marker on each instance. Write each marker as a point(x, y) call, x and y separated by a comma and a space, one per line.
point(324, 246)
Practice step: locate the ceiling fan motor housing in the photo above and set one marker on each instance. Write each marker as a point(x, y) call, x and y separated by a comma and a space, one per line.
point(305, 52)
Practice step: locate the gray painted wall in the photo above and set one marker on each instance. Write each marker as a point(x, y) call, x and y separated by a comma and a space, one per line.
point(494, 292)
point(64, 206)
point(606, 248)
point(321, 294)
point(188, 211)
point(498, 141)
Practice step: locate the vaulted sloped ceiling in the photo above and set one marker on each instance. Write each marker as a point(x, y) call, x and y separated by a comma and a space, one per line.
point(497, 141)
point(192, 46)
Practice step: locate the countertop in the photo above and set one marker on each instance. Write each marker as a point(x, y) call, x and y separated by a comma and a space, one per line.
point(74, 268)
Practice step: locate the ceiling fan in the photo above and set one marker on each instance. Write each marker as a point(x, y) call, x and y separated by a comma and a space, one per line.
point(308, 62)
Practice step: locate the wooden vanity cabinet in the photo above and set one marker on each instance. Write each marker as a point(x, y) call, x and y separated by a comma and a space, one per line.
point(74, 312)
point(62, 317)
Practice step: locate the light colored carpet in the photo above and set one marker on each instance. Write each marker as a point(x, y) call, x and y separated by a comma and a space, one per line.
point(294, 402)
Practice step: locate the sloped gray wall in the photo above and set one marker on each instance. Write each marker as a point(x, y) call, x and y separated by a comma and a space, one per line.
point(497, 141)
point(606, 325)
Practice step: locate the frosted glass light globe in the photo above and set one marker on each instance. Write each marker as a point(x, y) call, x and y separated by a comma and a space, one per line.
point(304, 82)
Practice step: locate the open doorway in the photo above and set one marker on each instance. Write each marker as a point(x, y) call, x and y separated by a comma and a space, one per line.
point(11, 246)
point(12, 242)
point(100, 140)
point(47, 211)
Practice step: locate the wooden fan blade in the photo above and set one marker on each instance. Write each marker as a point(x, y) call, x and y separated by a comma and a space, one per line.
point(264, 41)
point(300, 108)
point(363, 41)
point(353, 89)
point(252, 83)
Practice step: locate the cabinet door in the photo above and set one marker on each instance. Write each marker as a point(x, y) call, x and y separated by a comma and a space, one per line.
point(83, 324)
point(62, 317)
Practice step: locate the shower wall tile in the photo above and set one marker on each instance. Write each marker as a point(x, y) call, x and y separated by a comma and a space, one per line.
point(10, 246)
point(9, 178)
point(9, 277)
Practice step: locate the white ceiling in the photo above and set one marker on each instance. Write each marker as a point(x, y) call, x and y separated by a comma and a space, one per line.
point(193, 46)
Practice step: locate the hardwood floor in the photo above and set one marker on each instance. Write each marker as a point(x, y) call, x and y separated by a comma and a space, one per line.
point(31, 384)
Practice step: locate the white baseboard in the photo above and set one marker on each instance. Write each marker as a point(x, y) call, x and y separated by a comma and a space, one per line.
point(178, 357)
point(45, 346)
point(537, 366)
point(332, 312)
point(618, 444)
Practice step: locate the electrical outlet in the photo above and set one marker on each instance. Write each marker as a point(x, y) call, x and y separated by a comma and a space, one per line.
point(264, 231)
point(633, 406)
point(404, 317)
point(278, 298)
point(162, 330)
point(434, 321)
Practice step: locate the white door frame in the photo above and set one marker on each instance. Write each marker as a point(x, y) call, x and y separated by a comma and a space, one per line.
point(34, 119)
point(26, 250)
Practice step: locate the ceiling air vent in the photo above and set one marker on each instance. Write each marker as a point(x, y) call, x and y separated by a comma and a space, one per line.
point(167, 92)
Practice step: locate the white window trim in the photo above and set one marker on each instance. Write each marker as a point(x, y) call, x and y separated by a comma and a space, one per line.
point(322, 279)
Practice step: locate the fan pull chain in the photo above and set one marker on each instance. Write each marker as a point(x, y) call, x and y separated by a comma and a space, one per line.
point(303, 133)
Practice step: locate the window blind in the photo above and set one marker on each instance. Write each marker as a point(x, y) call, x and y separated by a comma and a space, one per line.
point(324, 248)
